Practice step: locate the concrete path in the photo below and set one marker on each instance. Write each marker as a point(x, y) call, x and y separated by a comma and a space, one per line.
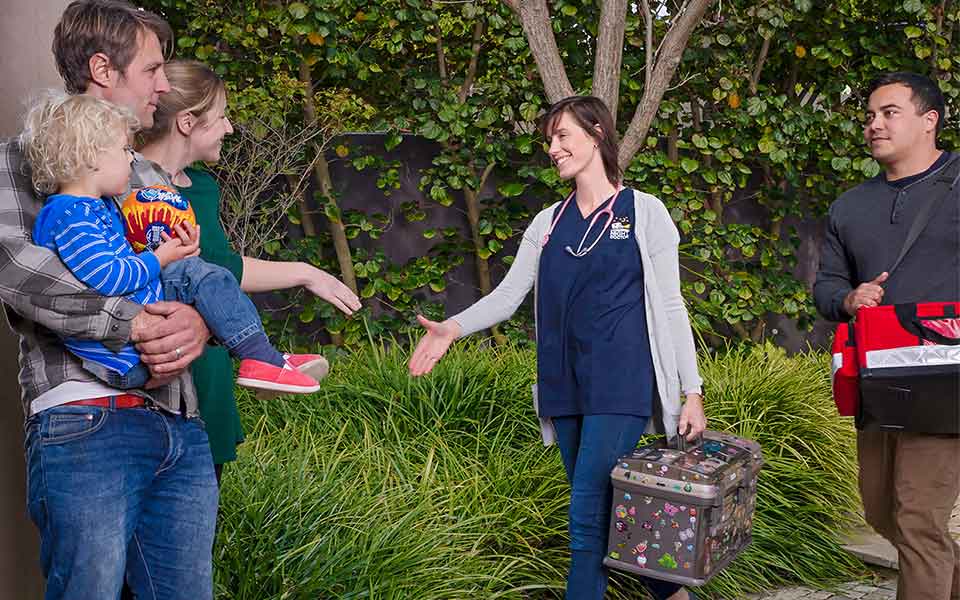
point(884, 590)
point(873, 550)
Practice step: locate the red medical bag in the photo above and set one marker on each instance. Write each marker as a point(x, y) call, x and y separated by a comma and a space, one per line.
point(908, 361)
point(845, 371)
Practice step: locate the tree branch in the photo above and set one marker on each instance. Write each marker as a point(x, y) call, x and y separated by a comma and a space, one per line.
point(474, 58)
point(758, 67)
point(668, 59)
point(648, 43)
point(609, 55)
point(441, 58)
point(535, 18)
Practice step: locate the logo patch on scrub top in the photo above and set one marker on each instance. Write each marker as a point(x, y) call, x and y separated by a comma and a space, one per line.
point(620, 228)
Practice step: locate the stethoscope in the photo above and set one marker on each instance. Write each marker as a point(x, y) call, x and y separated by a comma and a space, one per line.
point(607, 211)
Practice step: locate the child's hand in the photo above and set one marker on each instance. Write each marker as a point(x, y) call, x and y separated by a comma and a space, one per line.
point(184, 246)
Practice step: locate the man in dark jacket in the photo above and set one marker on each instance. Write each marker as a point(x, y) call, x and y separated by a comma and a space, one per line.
point(909, 481)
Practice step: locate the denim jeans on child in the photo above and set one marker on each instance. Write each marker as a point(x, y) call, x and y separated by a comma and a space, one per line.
point(213, 290)
point(122, 492)
point(590, 446)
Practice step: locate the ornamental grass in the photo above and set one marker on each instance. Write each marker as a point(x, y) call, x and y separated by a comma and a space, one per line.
point(381, 486)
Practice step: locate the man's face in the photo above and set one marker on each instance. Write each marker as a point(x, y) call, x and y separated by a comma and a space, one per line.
point(139, 87)
point(894, 127)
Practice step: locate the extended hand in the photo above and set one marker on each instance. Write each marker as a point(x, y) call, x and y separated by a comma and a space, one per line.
point(433, 345)
point(866, 294)
point(692, 420)
point(326, 286)
point(169, 336)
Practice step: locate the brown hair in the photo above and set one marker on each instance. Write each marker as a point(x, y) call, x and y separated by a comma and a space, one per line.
point(112, 27)
point(589, 112)
point(194, 87)
point(63, 136)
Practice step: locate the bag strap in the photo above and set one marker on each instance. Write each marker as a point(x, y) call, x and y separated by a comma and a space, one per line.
point(947, 178)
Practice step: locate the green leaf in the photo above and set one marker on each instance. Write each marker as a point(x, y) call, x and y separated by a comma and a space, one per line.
point(429, 233)
point(724, 39)
point(689, 165)
point(870, 168)
point(840, 163)
point(725, 84)
point(766, 145)
point(913, 6)
point(912, 31)
point(699, 287)
point(569, 10)
point(438, 285)
point(392, 141)
point(298, 10)
point(509, 190)
point(700, 141)
point(186, 42)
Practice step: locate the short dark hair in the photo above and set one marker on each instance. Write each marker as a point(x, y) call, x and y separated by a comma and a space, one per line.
point(925, 93)
point(108, 26)
point(588, 112)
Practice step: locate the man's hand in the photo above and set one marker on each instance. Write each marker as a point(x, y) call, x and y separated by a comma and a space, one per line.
point(185, 245)
point(169, 336)
point(866, 294)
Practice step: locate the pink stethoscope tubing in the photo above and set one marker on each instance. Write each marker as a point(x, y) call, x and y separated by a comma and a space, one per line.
point(606, 210)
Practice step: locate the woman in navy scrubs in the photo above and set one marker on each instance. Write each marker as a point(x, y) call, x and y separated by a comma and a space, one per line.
point(613, 335)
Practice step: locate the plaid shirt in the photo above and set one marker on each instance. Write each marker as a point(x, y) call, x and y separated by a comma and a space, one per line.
point(44, 302)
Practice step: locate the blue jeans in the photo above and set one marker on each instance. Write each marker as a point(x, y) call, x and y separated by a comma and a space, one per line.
point(590, 446)
point(214, 292)
point(122, 493)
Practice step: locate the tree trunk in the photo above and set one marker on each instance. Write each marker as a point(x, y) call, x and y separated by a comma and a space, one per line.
point(306, 215)
point(606, 66)
point(321, 174)
point(472, 199)
point(535, 18)
point(667, 62)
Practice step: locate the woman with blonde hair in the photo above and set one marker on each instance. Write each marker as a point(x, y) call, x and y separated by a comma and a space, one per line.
point(189, 126)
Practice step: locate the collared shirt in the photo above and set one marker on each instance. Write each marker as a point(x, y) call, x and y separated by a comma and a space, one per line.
point(44, 302)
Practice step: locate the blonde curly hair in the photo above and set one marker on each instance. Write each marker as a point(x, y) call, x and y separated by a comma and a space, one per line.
point(64, 135)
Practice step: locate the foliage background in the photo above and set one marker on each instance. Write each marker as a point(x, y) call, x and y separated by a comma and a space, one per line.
point(758, 134)
point(427, 168)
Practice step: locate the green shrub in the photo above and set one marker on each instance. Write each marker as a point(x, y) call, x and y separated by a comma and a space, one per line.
point(383, 486)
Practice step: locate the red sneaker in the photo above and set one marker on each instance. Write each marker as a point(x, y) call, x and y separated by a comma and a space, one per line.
point(264, 376)
point(314, 365)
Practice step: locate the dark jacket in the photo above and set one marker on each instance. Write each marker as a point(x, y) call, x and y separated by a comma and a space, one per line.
point(866, 229)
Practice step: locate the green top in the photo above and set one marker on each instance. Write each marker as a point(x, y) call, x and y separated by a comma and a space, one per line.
point(213, 371)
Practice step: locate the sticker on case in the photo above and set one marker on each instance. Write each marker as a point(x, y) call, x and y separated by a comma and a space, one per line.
point(621, 511)
point(641, 560)
point(670, 509)
point(667, 562)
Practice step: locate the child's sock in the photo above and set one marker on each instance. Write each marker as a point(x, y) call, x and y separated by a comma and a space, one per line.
point(258, 347)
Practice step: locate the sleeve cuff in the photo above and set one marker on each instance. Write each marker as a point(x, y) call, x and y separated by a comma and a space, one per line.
point(119, 325)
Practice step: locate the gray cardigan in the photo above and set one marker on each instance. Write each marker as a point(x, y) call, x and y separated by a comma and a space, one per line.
point(671, 340)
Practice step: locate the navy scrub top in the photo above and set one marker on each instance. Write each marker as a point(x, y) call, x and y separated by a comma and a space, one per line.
point(593, 349)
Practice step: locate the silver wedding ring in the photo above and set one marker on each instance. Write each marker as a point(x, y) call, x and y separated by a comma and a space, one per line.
point(177, 350)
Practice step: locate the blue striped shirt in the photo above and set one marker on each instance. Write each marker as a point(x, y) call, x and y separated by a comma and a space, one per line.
point(88, 235)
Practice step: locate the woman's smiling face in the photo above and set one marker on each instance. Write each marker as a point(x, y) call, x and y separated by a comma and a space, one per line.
point(571, 147)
